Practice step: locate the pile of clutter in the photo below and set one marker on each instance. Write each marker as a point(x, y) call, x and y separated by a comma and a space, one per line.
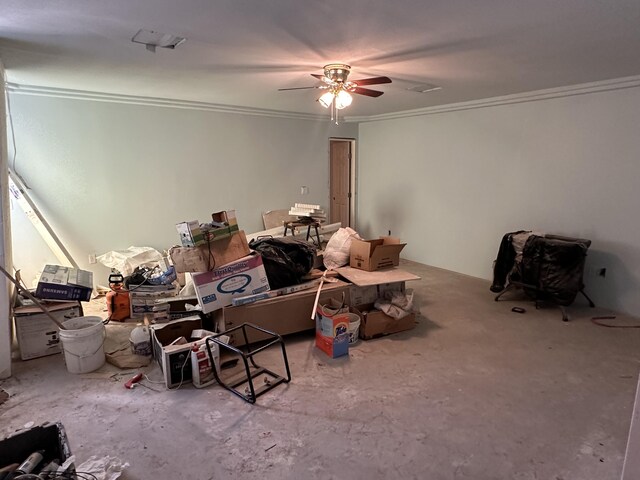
point(43, 452)
point(215, 279)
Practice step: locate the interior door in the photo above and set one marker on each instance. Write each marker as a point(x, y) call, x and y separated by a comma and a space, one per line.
point(340, 182)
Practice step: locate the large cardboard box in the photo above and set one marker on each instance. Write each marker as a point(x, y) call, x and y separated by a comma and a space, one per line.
point(373, 255)
point(374, 323)
point(207, 257)
point(174, 360)
point(216, 289)
point(37, 335)
point(283, 315)
point(64, 283)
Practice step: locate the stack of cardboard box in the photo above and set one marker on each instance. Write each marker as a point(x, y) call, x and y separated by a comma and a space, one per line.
point(222, 267)
point(219, 259)
point(60, 289)
point(380, 257)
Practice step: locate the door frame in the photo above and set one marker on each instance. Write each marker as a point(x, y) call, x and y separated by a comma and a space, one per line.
point(352, 174)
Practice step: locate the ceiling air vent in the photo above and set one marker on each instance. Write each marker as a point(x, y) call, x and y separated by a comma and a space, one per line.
point(151, 39)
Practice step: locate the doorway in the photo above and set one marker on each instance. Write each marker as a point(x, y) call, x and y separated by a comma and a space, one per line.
point(342, 181)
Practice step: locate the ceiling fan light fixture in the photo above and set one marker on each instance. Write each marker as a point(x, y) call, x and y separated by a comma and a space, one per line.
point(326, 99)
point(343, 99)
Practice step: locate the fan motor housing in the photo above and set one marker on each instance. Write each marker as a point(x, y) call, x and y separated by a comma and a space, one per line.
point(337, 72)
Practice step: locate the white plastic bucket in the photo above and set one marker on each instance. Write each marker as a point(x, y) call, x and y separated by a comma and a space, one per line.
point(354, 327)
point(83, 344)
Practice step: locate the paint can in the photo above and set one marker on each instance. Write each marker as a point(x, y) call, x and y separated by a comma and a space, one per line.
point(83, 344)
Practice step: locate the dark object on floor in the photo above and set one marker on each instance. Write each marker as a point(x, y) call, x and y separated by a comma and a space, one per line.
point(518, 310)
point(50, 439)
point(286, 260)
point(246, 353)
point(504, 261)
point(550, 270)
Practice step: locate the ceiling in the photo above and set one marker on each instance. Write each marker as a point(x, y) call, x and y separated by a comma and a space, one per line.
point(239, 52)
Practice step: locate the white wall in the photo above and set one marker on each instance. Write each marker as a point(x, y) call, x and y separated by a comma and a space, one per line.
point(5, 246)
point(451, 184)
point(110, 175)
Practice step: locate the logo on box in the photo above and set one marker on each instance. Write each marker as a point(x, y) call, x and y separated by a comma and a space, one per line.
point(209, 298)
point(235, 284)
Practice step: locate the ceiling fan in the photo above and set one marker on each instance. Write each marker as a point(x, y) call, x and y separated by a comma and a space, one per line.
point(339, 89)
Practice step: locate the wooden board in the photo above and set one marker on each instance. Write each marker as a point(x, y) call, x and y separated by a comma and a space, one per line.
point(363, 278)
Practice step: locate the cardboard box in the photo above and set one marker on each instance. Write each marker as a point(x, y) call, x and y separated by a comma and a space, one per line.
point(207, 257)
point(228, 217)
point(373, 255)
point(174, 360)
point(190, 233)
point(64, 283)
point(37, 334)
point(142, 299)
point(363, 295)
point(332, 331)
point(374, 323)
point(177, 306)
point(231, 225)
point(283, 315)
point(216, 289)
point(370, 293)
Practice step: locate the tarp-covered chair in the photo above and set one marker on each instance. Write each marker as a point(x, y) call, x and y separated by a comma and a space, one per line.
point(549, 268)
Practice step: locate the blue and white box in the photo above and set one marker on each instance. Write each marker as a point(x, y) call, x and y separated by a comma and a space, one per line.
point(64, 283)
point(217, 288)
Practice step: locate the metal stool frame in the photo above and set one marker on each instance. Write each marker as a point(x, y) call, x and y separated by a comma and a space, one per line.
point(247, 359)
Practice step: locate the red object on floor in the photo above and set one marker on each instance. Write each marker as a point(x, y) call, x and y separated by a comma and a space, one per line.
point(132, 381)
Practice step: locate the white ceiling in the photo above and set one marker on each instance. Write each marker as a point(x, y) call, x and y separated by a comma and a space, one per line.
point(239, 52)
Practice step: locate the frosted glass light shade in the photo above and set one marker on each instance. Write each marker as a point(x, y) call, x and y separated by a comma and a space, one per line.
point(326, 99)
point(343, 99)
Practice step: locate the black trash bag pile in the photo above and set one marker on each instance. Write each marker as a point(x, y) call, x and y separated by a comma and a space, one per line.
point(286, 260)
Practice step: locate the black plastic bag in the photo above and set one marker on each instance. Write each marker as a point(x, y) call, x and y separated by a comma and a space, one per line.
point(286, 260)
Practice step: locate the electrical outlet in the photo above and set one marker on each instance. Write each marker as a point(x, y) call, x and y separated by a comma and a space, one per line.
point(92, 258)
point(304, 190)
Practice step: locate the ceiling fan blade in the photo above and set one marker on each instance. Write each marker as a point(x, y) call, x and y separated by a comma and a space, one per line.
point(321, 77)
point(372, 81)
point(366, 91)
point(296, 88)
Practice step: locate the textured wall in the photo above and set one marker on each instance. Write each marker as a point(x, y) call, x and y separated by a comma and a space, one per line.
point(451, 184)
point(110, 175)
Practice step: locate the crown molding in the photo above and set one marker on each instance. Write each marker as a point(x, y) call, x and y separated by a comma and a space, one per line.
point(534, 96)
point(54, 92)
point(538, 95)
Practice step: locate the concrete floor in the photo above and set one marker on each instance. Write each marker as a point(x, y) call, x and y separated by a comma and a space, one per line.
point(474, 392)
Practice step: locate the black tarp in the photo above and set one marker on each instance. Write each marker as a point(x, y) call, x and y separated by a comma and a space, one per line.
point(552, 268)
point(286, 260)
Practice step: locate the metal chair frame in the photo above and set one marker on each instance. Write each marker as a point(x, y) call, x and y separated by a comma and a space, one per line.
point(247, 355)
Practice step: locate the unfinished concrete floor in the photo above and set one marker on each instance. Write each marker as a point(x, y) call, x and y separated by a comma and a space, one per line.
point(474, 392)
